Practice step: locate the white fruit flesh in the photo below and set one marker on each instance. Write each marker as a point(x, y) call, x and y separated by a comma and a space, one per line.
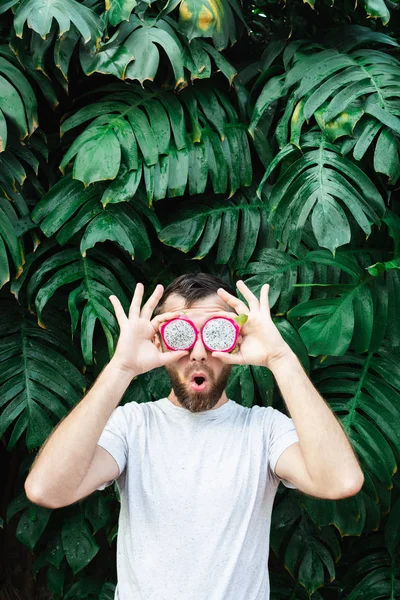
point(219, 334)
point(179, 334)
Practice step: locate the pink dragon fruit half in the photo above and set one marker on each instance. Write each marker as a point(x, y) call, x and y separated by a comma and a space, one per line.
point(220, 334)
point(179, 334)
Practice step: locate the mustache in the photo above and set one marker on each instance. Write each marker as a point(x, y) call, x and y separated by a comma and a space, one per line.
point(193, 369)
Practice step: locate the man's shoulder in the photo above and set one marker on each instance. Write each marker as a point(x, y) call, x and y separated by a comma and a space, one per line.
point(256, 414)
point(133, 407)
point(139, 410)
point(131, 411)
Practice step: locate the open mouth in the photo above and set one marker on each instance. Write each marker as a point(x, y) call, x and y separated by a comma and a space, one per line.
point(198, 382)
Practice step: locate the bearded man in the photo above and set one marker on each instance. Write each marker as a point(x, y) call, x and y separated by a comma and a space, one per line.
point(197, 473)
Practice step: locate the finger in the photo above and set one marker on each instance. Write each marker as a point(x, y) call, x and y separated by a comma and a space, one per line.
point(248, 295)
point(119, 311)
point(229, 359)
point(159, 319)
point(237, 304)
point(152, 302)
point(168, 358)
point(264, 298)
point(134, 309)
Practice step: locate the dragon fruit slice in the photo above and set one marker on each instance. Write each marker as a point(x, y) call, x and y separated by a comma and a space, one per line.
point(220, 334)
point(178, 334)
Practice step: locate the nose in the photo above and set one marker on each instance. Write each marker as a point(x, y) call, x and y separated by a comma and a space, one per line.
point(198, 352)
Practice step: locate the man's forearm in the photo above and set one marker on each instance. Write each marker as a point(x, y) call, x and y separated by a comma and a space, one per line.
point(328, 455)
point(63, 461)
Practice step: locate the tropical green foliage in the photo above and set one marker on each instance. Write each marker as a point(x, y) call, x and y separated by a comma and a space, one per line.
point(260, 140)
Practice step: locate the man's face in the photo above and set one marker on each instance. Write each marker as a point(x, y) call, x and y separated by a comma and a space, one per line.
point(198, 380)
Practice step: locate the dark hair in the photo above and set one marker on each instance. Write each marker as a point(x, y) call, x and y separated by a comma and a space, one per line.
point(193, 287)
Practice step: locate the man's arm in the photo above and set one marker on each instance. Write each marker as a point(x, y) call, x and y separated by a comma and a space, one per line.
point(71, 465)
point(323, 463)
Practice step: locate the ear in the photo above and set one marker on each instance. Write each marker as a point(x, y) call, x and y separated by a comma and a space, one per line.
point(157, 341)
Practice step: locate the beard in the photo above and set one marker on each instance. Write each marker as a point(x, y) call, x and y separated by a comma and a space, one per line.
point(198, 401)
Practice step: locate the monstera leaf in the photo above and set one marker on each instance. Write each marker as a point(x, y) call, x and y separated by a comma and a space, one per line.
point(309, 552)
point(364, 391)
point(107, 591)
point(337, 80)
point(11, 244)
point(380, 267)
point(355, 314)
point(52, 555)
point(15, 219)
point(78, 542)
point(282, 588)
point(358, 390)
point(34, 53)
point(197, 60)
point(69, 207)
point(39, 15)
point(52, 558)
point(18, 105)
point(96, 276)
point(205, 18)
point(75, 543)
point(32, 524)
point(355, 516)
point(315, 184)
point(134, 135)
point(20, 165)
point(375, 9)
point(373, 571)
point(133, 52)
point(119, 10)
point(283, 270)
point(363, 84)
point(46, 50)
point(233, 225)
point(90, 588)
point(39, 379)
point(349, 92)
point(348, 37)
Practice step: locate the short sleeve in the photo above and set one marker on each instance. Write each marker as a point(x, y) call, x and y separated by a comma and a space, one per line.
point(114, 439)
point(282, 434)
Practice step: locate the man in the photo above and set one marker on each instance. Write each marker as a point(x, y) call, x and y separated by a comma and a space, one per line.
point(197, 473)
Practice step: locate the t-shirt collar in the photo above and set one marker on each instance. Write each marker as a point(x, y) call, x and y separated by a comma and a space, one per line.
point(213, 414)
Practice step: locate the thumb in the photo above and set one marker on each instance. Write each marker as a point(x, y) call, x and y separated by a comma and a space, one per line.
point(168, 358)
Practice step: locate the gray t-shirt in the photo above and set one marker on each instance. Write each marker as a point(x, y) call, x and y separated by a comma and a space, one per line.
point(196, 498)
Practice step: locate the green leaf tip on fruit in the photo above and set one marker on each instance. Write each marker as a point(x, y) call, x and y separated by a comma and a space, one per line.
point(241, 319)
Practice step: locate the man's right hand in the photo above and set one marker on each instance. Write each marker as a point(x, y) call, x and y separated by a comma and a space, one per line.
point(136, 352)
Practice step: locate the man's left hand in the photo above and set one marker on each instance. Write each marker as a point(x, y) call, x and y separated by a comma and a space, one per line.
point(261, 343)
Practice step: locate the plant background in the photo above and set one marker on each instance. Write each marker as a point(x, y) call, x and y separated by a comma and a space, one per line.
point(142, 140)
